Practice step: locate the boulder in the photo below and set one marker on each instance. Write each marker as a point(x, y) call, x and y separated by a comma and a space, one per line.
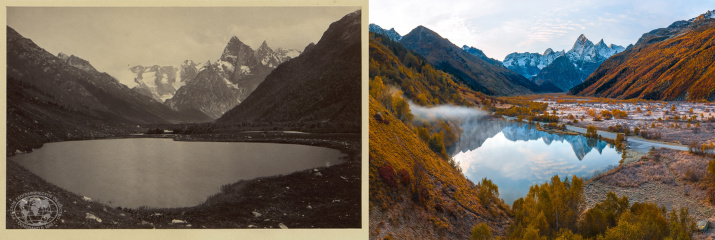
point(703, 225)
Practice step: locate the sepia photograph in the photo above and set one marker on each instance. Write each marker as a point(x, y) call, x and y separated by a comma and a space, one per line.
point(235, 117)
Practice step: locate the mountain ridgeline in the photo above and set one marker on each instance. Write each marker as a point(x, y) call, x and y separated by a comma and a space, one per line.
point(572, 67)
point(52, 98)
point(673, 63)
point(392, 34)
point(477, 73)
point(217, 87)
point(322, 85)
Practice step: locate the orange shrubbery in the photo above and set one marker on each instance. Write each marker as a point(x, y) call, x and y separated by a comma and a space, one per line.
point(663, 70)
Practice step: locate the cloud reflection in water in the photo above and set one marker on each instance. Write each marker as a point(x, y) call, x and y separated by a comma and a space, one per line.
point(517, 155)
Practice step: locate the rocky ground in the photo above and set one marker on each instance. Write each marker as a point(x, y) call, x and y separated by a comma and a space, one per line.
point(695, 122)
point(671, 178)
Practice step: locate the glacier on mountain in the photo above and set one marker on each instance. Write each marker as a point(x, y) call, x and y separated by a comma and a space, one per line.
point(583, 50)
point(583, 55)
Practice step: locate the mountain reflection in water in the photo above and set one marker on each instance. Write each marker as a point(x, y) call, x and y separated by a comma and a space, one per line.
point(517, 155)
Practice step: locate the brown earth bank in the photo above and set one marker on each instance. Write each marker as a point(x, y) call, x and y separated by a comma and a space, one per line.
point(670, 178)
point(425, 198)
point(314, 198)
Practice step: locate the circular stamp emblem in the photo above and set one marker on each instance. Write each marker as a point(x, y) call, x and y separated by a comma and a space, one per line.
point(36, 210)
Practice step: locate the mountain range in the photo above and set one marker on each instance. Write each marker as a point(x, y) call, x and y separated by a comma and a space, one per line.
point(673, 63)
point(475, 133)
point(329, 71)
point(64, 97)
point(226, 82)
point(158, 82)
point(574, 66)
point(475, 72)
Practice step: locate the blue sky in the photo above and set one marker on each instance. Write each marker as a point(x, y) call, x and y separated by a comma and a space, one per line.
point(502, 27)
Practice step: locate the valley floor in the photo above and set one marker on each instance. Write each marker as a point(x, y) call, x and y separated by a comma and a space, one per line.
point(314, 198)
point(656, 169)
point(670, 178)
point(664, 121)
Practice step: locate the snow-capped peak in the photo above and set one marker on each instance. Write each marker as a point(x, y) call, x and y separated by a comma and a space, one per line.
point(548, 51)
point(272, 58)
point(474, 51)
point(601, 43)
point(709, 14)
point(582, 44)
point(392, 34)
point(583, 50)
point(582, 39)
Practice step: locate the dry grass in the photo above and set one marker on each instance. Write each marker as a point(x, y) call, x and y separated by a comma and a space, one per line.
point(636, 174)
point(450, 209)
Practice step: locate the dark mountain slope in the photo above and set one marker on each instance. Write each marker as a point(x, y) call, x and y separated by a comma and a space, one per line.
point(74, 84)
point(418, 80)
point(475, 72)
point(52, 98)
point(320, 85)
point(561, 72)
point(230, 79)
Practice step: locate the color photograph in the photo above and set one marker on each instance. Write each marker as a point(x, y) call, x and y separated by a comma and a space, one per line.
point(542, 119)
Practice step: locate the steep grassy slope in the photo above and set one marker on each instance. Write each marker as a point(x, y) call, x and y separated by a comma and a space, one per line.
point(675, 66)
point(443, 204)
point(33, 120)
point(416, 78)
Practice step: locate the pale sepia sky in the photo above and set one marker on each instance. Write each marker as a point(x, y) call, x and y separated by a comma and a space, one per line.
point(113, 39)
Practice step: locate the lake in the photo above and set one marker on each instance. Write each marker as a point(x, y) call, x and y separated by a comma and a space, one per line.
point(516, 156)
point(160, 172)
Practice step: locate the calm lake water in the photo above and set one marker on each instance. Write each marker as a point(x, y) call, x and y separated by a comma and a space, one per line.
point(517, 155)
point(157, 172)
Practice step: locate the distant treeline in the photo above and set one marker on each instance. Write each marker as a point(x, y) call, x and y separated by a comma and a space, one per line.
point(205, 128)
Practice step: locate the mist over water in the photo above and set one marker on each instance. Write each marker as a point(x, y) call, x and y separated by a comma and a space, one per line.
point(517, 155)
point(464, 114)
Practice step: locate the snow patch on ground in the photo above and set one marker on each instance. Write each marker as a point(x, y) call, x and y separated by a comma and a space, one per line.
point(230, 84)
point(245, 70)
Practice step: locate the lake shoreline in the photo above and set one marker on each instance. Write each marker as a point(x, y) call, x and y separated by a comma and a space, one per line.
point(305, 205)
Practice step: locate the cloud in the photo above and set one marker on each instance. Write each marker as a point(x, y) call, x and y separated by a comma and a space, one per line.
point(502, 27)
point(547, 30)
point(446, 112)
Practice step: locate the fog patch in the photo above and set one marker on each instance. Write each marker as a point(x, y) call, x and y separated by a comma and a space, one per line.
point(464, 114)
